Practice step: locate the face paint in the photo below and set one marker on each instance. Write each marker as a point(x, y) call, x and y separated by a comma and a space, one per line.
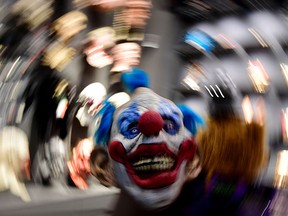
point(150, 148)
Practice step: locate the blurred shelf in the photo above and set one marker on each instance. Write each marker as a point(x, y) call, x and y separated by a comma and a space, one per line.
point(97, 200)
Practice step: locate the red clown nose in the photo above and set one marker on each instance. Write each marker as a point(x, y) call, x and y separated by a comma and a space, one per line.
point(150, 123)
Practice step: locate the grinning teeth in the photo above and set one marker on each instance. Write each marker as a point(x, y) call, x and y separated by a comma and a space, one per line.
point(156, 163)
point(154, 167)
point(142, 162)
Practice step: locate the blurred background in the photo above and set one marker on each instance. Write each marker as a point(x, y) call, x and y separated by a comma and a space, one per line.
point(60, 58)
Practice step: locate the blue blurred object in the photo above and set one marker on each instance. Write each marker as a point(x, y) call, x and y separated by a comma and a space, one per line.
point(103, 133)
point(191, 119)
point(134, 79)
point(200, 40)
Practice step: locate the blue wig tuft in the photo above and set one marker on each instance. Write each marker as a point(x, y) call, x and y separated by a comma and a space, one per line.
point(134, 79)
point(191, 119)
point(102, 134)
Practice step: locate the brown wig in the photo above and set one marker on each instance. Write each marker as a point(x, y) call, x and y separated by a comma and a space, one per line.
point(101, 167)
point(232, 149)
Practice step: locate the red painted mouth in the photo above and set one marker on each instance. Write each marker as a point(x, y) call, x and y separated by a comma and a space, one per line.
point(153, 165)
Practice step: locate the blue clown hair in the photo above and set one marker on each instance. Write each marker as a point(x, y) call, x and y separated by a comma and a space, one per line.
point(191, 119)
point(134, 79)
point(106, 113)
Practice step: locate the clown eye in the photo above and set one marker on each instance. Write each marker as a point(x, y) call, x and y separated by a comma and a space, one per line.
point(132, 130)
point(170, 127)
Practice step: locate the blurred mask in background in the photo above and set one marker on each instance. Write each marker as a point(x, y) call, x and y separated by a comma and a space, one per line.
point(126, 55)
point(69, 25)
point(14, 161)
point(79, 164)
point(99, 42)
point(90, 98)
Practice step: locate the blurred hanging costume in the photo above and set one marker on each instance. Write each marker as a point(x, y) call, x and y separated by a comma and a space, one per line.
point(81, 144)
point(230, 147)
point(150, 141)
point(52, 97)
point(233, 154)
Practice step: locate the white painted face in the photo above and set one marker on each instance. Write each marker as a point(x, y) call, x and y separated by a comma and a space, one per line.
point(150, 147)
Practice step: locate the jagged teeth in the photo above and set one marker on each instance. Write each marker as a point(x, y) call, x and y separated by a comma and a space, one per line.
point(144, 161)
point(154, 167)
point(156, 163)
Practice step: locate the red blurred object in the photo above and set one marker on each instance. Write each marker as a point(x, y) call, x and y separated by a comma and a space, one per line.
point(150, 123)
point(79, 165)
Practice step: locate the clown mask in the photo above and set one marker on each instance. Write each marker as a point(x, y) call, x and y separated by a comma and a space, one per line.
point(151, 141)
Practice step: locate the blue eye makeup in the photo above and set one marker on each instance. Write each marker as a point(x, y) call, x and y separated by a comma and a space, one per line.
point(128, 122)
point(172, 118)
point(170, 126)
point(132, 130)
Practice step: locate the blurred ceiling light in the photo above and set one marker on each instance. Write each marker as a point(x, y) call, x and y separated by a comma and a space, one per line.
point(256, 114)
point(284, 125)
point(214, 91)
point(70, 24)
point(258, 76)
point(281, 170)
point(209, 91)
point(247, 109)
point(194, 76)
point(284, 70)
point(258, 37)
point(220, 91)
point(191, 83)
